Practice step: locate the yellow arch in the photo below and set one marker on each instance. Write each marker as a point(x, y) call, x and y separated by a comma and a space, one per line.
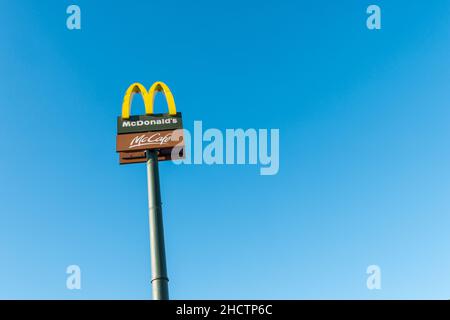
point(148, 97)
point(162, 87)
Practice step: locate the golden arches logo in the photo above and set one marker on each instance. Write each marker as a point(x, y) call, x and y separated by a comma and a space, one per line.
point(148, 97)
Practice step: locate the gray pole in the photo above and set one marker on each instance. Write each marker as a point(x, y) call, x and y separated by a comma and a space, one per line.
point(160, 289)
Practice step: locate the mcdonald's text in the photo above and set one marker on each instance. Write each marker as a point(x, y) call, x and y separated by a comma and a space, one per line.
point(145, 123)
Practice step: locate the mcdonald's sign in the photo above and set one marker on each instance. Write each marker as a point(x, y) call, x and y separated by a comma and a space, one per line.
point(162, 132)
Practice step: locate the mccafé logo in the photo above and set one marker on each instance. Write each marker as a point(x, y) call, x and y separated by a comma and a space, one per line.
point(148, 140)
point(144, 140)
point(135, 134)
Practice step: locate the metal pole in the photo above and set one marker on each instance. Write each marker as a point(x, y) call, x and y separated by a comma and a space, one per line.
point(160, 289)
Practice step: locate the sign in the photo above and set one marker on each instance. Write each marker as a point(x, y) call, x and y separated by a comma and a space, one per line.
point(142, 141)
point(162, 132)
point(145, 123)
point(175, 153)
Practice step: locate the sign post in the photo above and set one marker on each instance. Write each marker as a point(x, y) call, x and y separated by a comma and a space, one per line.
point(151, 138)
point(160, 281)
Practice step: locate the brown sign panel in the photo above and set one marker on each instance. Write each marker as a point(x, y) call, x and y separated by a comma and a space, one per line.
point(132, 142)
point(140, 157)
point(132, 157)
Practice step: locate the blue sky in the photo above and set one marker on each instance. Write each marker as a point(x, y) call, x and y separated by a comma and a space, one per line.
point(364, 149)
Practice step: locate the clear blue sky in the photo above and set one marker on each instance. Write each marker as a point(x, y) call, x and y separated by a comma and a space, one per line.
point(364, 161)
